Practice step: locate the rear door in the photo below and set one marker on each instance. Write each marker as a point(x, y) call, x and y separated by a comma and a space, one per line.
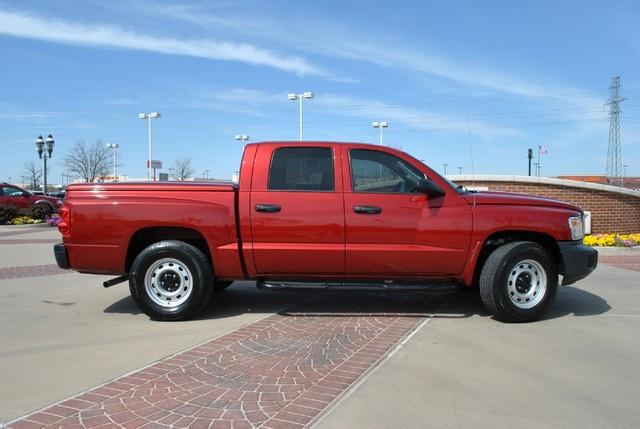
point(393, 229)
point(297, 210)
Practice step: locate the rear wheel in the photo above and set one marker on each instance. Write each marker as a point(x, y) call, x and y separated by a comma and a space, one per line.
point(171, 280)
point(518, 281)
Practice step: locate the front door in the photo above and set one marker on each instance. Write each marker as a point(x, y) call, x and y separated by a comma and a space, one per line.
point(297, 211)
point(392, 228)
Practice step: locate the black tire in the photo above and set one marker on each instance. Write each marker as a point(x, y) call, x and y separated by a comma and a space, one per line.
point(511, 279)
point(221, 285)
point(188, 276)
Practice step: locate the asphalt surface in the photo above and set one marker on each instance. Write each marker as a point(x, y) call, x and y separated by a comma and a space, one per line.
point(63, 334)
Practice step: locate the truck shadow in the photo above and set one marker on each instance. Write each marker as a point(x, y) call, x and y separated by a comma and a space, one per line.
point(244, 298)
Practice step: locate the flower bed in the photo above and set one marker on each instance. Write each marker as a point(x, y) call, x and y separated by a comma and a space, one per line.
point(24, 220)
point(617, 240)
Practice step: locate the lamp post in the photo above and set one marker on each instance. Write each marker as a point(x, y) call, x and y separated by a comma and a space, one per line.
point(207, 173)
point(460, 171)
point(114, 147)
point(445, 168)
point(381, 125)
point(149, 116)
point(243, 138)
point(40, 147)
point(301, 97)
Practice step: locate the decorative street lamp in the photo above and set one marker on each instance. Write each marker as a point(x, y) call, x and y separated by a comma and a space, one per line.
point(149, 116)
point(293, 96)
point(114, 147)
point(40, 147)
point(380, 125)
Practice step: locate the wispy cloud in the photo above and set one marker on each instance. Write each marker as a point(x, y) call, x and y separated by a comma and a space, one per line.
point(414, 118)
point(18, 24)
point(260, 103)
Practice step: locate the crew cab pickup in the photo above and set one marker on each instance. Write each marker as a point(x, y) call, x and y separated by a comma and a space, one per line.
point(312, 215)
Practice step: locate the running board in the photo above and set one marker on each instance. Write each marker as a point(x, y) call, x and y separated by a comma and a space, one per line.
point(432, 286)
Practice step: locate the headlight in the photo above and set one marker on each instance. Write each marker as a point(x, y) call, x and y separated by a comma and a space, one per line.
point(576, 227)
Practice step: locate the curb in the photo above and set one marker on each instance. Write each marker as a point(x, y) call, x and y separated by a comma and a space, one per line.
point(618, 251)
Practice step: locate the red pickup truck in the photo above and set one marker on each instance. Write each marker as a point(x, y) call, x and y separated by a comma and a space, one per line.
point(315, 215)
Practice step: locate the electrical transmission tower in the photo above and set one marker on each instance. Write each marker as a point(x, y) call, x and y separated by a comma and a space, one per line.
point(614, 153)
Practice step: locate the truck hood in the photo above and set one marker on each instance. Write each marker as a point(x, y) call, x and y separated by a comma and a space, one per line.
point(510, 199)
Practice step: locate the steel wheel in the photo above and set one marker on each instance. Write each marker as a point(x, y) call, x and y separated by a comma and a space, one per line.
point(527, 284)
point(168, 282)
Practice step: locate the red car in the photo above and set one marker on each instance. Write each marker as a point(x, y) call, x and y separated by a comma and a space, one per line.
point(312, 215)
point(25, 201)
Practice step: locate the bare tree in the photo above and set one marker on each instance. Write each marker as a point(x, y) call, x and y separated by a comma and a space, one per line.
point(33, 174)
point(89, 162)
point(183, 169)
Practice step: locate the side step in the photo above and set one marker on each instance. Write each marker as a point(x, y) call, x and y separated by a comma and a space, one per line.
point(431, 286)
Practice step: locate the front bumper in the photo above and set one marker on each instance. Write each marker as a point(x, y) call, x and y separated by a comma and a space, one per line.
point(578, 261)
point(60, 252)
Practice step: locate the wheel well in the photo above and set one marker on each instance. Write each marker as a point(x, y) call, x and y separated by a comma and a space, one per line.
point(147, 236)
point(497, 239)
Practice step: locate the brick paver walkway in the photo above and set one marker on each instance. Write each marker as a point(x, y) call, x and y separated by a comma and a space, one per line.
point(280, 372)
point(631, 262)
point(33, 241)
point(31, 271)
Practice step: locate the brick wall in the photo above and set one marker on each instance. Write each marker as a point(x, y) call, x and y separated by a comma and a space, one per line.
point(610, 211)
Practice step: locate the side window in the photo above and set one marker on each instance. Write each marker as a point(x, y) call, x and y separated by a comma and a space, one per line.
point(9, 191)
point(379, 172)
point(302, 169)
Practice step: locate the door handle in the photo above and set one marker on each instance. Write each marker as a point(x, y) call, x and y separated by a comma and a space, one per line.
point(367, 209)
point(268, 208)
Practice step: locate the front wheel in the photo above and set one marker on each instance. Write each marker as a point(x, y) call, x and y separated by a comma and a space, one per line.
point(518, 281)
point(171, 280)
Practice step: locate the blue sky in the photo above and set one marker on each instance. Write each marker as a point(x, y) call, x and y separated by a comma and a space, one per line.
point(493, 78)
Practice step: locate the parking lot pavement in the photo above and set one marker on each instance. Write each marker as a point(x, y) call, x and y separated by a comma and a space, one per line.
point(292, 360)
point(577, 368)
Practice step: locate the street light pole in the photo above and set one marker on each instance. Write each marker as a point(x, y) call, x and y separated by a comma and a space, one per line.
point(243, 138)
point(149, 116)
point(381, 125)
point(460, 171)
point(445, 168)
point(293, 96)
point(40, 148)
point(114, 147)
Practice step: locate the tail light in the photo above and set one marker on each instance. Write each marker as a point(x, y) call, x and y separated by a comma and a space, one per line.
point(63, 225)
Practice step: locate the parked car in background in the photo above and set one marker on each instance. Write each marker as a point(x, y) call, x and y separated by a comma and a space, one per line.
point(25, 201)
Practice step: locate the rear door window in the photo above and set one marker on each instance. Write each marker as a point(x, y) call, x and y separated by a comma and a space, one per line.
point(302, 169)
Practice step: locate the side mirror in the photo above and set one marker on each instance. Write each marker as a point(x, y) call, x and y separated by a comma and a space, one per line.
point(430, 188)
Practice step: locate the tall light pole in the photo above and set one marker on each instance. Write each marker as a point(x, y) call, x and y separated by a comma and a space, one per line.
point(445, 168)
point(381, 125)
point(40, 147)
point(293, 96)
point(460, 171)
point(243, 138)
point(207, 173)
point(149, 116)
point(114, 147)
